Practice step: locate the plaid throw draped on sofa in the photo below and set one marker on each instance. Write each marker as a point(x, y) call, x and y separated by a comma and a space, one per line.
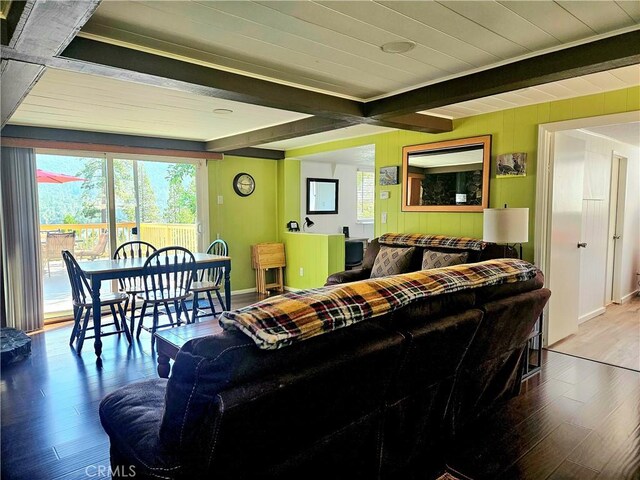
point(295, 316)
point(421, 240)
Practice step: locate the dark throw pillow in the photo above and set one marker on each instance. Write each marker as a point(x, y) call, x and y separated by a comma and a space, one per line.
point(432, 259)
point(391, 261)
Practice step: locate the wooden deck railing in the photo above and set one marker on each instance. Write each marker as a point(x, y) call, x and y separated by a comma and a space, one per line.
point(158, 234)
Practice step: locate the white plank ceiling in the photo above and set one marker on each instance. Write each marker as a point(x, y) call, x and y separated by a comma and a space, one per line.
point(573, 87)
point(86, 102)
point(334, 46)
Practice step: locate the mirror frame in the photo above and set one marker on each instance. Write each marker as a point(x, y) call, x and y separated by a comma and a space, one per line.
point(484, 140)
point(321, 212)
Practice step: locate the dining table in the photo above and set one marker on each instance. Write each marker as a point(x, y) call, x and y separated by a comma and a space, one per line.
point(99, 271)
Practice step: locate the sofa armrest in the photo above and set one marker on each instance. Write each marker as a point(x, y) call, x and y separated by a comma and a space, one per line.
point(348, 276)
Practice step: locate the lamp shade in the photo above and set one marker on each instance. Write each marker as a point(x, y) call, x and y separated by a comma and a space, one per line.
point(506, 225)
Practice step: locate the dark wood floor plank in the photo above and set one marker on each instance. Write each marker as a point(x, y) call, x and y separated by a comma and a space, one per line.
point(572, 471)
point(490, 451)
point(543, 459)
point(625, 462)
point(614, 430)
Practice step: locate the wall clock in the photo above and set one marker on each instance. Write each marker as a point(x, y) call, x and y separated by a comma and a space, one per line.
point(244, 184)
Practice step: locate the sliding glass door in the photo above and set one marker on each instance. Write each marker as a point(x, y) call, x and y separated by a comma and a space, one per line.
point(158, 202)
point(91, 203)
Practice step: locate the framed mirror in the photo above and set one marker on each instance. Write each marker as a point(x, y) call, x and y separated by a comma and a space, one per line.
point(322, 196)
point(450, 176)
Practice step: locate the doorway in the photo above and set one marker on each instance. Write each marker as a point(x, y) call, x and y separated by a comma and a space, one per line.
point(90, 203)
point(588, 234)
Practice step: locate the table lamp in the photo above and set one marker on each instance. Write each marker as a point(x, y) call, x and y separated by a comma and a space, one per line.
point(506, 225)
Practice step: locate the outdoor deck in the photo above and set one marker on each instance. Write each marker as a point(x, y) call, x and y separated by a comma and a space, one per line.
point(56, 287)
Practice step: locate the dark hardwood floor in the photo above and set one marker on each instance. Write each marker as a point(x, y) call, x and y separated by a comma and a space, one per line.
point(577, 420)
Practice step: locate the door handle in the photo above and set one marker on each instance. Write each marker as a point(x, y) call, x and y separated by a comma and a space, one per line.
point(616, 237)
point(582, 245)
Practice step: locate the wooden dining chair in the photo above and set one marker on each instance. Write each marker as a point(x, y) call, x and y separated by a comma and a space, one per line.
point(210, 280)
point(132, 286)
point(166, 276)
point(83, 304)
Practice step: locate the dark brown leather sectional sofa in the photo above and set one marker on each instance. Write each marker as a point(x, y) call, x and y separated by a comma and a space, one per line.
point(381, 399)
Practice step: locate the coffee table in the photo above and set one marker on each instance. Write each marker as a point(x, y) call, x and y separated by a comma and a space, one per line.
point(169, 341)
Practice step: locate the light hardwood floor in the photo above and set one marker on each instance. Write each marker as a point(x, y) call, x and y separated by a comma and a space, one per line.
point(613, 337)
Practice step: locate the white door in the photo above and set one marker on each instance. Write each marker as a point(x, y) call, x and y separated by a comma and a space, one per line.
point(566, 228)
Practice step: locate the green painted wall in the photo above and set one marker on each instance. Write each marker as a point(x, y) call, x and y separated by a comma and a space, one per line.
point(318, 255)
point(243, 221)
point(513, 130)
point(288, 193)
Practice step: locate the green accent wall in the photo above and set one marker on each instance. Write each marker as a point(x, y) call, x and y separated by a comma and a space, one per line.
point(243, 221)
point(513, 130)
point(288, 193)
point(318, 255)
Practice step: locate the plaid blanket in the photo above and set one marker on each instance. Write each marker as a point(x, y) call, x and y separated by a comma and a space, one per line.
point(295, 316)
point(421, 240)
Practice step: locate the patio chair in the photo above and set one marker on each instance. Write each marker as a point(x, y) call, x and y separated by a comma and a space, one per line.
point(55, 243)
point(209, 280)
point(134, 285)
point(97, 251)
point(167, 275)
point(83, 303)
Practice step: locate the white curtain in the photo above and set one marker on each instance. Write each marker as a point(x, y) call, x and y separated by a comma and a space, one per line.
point(20, 240)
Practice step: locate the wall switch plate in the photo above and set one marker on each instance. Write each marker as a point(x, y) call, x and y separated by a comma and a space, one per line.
point(220, 200)
point(301, 272)
point(384, 195)
point(384, 217)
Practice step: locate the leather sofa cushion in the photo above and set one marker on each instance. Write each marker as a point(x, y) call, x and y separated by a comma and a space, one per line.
point(433, 259)
point(392, 261)
point(131, 416)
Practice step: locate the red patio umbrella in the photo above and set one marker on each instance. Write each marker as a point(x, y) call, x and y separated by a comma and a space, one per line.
point(43, 176)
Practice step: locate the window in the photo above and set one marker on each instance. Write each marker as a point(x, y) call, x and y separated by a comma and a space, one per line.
point(365, 183)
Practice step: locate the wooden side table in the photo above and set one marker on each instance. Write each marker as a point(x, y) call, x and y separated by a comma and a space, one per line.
point(267, 256)
point(171, 340)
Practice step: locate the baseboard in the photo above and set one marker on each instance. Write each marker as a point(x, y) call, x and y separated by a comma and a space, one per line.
point(629, 296)
point(292, 289)
point(245, 290)
point(590, 315)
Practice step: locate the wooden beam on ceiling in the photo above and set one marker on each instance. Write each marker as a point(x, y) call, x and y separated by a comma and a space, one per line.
point(284, 131)
point(597, 56)
point(44, 29)
point(419, 123)
point(58, 138)
point(43, 137)
point(264, 153)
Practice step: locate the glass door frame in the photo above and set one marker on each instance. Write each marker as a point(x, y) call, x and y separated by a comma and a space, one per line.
point(202, 196)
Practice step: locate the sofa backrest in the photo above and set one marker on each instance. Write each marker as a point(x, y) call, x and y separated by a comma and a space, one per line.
point(251, 413)
point(414, 409)
point(491, 368)
point(490, 251)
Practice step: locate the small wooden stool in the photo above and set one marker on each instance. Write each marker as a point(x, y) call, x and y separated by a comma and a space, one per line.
point(266, 256)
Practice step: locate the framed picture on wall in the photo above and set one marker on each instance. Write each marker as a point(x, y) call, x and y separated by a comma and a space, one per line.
point(389, 175)
point(511, 165)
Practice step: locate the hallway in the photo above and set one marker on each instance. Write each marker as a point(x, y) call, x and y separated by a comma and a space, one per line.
point(613, 337)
